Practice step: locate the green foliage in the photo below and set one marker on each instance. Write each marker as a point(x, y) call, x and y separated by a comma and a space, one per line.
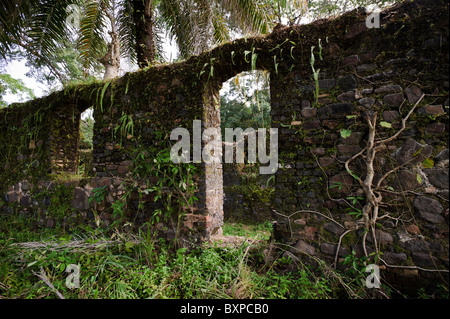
point(126, 127)
point(14, 86)
point(86, 133)
point(356, 271)
point(345, 133)
point(357, 212)
point(142, 267)
point(259, 231)
point(119, 265)
point(98, 194)
point(174, 187)
point(246, 103)
point(386, 124)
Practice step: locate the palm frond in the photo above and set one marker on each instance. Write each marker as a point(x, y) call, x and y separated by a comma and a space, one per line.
point(173, 18)
point(159, 39)
point(47, 27)
point(249, 15)
point(91, 43)
point(13, 15)
point(127, 29)
point(221, 27)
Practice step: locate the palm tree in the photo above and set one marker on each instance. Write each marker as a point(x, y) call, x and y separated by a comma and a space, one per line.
point(134, 27)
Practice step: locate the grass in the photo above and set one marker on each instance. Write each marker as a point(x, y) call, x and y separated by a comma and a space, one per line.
point(122, 265)
point(259, 231)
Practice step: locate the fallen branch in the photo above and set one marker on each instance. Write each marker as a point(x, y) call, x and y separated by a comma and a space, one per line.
point(42, 276)
point(76, 245)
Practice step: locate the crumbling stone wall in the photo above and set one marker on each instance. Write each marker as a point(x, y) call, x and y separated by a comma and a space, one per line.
point(362, 71)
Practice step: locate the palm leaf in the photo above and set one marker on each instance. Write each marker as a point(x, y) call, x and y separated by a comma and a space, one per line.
point(13, 15)
point(91, 43)
point(249, 15)
point(127, 29)
point(47, 26)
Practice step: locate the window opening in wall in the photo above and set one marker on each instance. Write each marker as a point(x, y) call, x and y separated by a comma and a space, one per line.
point(86, 142)
point(245, 103)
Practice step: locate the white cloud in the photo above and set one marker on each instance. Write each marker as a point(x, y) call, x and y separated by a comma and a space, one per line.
point(17, 70)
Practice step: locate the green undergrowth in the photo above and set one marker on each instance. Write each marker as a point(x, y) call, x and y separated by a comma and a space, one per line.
point(259, 231)
point(116, 264)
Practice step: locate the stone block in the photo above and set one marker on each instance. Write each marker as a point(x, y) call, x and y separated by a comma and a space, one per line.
point(351, 60)
point(327, 84)
point(348, 149)
point(438, 177)
point(390, 116)
point(405, 181)
point(331, 249)
point(122, 170)
point(334, 228)
point(318, 151)
point(302, 247)
point(308, 112)
point(413, 229)
point(348, 96)
point(395, 99)
point(412, 151)
point(433, 110)
point(365, 68)
point(25, 200)
point(335, 109)
point(353, 139)
point(435, 129)
point(80, 198)
point(394, 258)
point(381, 237)
point(311, 125)
point(424, 260)
point(347, 83)
point(366, 102)
point(331, 124)
point(326, 161)
point(428, 209)
point(13, 197)
point(413, 94)
point(389, 89)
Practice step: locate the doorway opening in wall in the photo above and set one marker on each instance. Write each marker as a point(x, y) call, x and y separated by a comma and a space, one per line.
point(245, 103)
point(86, 142)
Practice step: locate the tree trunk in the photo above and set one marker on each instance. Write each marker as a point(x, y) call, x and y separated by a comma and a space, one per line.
point(145, 43)
point(111, 60)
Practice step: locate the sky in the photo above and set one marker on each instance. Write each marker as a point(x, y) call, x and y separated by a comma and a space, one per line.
point(17, 70)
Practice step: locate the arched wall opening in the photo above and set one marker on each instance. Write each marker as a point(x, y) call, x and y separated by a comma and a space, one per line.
point(245, 104)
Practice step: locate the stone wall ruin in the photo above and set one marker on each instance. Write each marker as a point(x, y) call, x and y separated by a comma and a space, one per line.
point(363, 71)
